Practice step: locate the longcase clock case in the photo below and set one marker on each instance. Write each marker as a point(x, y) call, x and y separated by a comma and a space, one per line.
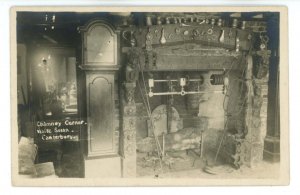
point(100, 65)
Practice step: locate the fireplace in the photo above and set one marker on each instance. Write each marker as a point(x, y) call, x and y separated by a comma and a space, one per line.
point(196, 85)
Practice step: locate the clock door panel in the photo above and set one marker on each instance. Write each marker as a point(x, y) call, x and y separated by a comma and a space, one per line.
point(100, 99)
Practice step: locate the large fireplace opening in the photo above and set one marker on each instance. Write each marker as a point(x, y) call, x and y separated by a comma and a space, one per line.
point(186, 118)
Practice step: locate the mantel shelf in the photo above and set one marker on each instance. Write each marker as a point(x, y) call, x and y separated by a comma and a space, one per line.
point(97, 68)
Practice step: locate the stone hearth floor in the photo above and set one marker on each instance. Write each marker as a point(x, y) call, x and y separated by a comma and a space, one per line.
point(184, 169)
point(264, 170)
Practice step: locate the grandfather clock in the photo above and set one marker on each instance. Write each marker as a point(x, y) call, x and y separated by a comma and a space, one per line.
point(100, 46)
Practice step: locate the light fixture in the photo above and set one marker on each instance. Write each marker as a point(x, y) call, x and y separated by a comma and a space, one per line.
point(53, 18)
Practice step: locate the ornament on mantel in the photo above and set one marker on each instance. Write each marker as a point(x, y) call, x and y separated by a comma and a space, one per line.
point(163, 38)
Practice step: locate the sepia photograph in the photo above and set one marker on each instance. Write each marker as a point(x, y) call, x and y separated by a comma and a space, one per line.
point(141, 96)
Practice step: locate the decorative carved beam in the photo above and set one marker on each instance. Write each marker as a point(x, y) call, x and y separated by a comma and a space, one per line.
point(206, 34)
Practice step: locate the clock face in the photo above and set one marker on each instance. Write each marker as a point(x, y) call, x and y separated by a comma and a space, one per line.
point(101, 46)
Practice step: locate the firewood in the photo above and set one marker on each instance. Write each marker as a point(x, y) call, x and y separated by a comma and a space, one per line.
point(187, 138)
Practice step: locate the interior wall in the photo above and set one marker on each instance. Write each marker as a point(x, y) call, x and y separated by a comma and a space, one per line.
point(22, 88)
